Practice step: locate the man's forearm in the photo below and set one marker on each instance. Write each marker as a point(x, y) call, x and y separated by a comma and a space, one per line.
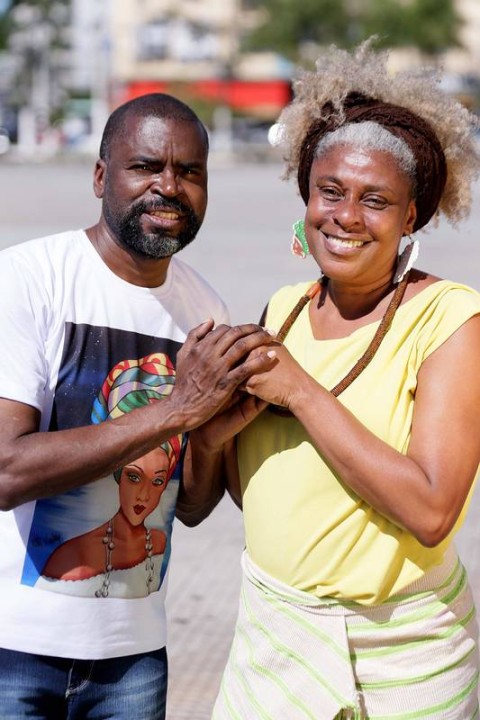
point(203, 483)
point(40, 464)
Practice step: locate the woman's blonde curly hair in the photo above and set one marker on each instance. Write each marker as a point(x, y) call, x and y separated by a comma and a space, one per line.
point(339, 73)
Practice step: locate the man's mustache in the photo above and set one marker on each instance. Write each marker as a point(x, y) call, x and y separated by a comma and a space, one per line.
point(161, 204)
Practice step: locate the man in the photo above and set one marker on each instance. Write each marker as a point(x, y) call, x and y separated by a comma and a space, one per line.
point(92, 328)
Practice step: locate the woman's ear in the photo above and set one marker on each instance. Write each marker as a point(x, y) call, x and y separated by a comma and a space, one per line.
point(411, 218)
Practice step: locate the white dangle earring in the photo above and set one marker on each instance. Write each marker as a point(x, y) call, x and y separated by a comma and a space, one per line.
point(406, 260)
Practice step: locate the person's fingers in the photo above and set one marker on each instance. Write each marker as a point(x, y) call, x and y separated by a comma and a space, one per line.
point(250, 406)
point(236, 335)
point(213, 362)
point(230, 343)
point(208, 340)
point(243, 340)
point(231, 421)
point(253, 365)
point(198, 333)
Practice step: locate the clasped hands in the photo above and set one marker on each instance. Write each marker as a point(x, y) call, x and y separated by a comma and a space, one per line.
point(227, 375)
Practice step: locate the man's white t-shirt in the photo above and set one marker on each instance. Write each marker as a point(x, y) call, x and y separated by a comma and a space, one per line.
point(81, 345)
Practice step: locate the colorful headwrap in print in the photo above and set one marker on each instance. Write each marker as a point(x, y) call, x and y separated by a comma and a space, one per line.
point(132, 384)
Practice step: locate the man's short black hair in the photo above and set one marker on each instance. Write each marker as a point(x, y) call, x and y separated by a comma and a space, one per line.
point(158, 105)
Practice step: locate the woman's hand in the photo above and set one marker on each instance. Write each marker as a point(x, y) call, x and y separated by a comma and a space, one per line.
point(279, 384)
point(236, 415)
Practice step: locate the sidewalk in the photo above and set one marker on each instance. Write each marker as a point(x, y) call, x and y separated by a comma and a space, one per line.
point(202, 602)
point(203, 599)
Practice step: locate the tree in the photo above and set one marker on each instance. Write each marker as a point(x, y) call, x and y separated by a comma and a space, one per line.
point(430, 25)
point(35, 41)
point(46, 9)
point(288, 25)
point(5, 27)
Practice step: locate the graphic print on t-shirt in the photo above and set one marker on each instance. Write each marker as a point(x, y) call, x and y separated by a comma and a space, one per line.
point(110, 538)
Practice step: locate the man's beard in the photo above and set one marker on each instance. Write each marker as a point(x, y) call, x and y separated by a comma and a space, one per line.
point(155, 245)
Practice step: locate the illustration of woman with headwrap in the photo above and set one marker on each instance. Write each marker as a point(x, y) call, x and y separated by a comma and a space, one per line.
point(123, 557)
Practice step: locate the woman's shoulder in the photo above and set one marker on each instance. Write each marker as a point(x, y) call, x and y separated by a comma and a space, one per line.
point(430, 289)
point(437, 309)
point(77, 558)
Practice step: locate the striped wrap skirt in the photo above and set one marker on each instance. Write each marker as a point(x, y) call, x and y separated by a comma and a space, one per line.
point(298, 657)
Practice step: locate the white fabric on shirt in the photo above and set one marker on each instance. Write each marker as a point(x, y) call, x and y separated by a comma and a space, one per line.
point(128, 583)
point(54, 289)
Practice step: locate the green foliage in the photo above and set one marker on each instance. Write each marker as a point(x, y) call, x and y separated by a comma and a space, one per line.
point(5, 29)
point(430, 25)
point(32, 33)
point(290, 23)
point(44, 5)
point(47, 9)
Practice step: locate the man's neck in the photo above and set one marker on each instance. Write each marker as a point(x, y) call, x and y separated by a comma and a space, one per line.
point(134, 269)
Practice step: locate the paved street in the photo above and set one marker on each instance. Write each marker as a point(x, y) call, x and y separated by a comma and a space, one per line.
point(243, 249)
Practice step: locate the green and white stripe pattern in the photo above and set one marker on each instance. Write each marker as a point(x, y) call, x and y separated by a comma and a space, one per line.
point(297, 657)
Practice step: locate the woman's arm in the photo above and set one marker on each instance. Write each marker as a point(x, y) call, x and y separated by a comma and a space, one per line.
point(424, 490)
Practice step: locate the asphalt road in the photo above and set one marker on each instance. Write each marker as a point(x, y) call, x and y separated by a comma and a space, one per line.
point(243, 250)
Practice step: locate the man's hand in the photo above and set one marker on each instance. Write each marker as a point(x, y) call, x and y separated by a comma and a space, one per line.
point(213, 363)
point(210, 367)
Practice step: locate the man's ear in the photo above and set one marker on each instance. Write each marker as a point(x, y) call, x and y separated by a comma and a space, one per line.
point(99, 178)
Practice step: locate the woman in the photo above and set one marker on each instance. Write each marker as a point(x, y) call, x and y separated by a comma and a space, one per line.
point(123, 557)
point(355, 477)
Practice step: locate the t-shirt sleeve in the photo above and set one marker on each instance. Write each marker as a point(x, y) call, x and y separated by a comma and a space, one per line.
point(222, 316)
point(23, 330)
point(447, 314)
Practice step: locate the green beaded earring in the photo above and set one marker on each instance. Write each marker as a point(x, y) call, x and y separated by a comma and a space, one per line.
point(299, 245)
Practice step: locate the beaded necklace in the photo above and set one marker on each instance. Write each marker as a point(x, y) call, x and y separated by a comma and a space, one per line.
point(363, 361)
point(109, 544)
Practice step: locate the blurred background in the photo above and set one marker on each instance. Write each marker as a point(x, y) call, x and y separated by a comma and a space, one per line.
point(65, 64)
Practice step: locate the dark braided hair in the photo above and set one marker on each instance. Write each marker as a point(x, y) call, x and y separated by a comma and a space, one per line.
point(431, 167)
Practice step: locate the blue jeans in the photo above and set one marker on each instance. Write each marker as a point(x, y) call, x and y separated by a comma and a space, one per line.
point(55, 688)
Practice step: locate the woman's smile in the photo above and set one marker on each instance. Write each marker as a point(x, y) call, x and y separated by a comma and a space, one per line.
point(340, 246)
point(360, 206)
